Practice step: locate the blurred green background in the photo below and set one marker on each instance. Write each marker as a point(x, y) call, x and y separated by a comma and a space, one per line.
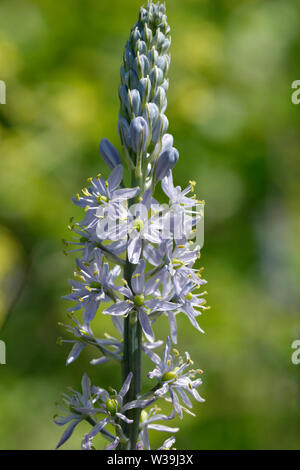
point(230, 110)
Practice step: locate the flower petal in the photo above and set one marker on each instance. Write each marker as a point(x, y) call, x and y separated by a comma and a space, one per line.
point(134, 249)
point(138, 278)
point(173, 326)
point(115, 178)
point(161, 427)
point(68, 433)
point(124, 418)
point(126, 385)
point(146, 325)
point(74, 353)
point(113, 444)
point(119, 308)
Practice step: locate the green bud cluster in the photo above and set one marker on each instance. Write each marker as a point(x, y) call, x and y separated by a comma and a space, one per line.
point(144, 81)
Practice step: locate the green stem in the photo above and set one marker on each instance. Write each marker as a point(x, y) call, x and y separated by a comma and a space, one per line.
point(133, 363)
point(132, 357)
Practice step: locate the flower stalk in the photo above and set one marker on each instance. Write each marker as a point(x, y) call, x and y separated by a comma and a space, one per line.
point(132, 359)
point(135, 257)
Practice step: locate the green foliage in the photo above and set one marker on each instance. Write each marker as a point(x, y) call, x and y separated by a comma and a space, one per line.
point(238, 135)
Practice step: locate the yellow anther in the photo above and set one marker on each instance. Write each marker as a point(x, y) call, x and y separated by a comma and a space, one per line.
point(87, 208)
point(80, 299)
point(90, 180)
point(79, 277)
point(77, 197)
point(177, 261)
point(136, 275)
point(85, 192)
point(106, 184)
point(180, 246)
point(83, 332)
point(193, 184)
point(201, 269)
point(101, 198)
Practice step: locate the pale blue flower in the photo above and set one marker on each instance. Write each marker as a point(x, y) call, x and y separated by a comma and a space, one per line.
point(148, 421)
point(123, 229)
point(93, 284)
point(168, 443)
point(171, 374)
point(100, 192)
point(112, 406)
point(78, 407)
point(135, 225)
point(137, 302)
point(110, 347)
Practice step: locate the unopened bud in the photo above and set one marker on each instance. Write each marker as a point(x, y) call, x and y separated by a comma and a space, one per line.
point(166, 161)
point(138, 134)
